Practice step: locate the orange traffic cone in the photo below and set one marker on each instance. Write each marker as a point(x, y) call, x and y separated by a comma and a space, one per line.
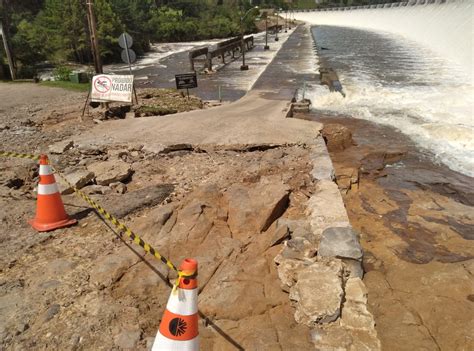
point(179, 325)
point(50, 212)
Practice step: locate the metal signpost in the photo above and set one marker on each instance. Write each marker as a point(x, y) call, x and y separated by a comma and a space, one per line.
point(128, 55)
point(186, 81)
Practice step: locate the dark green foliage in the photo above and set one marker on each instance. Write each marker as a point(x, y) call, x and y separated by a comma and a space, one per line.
point(57, 30)
point(62, 73)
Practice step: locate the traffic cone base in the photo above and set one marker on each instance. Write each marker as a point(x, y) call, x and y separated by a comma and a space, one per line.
point(46, 227)
point(50, 212)
point(164, 344)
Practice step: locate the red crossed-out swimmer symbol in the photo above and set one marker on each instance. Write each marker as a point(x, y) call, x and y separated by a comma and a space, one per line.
point(102, 84)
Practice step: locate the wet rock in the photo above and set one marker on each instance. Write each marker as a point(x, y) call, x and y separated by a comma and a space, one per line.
point(118, 187)
point(128, 339)
point(317, 294)
point(110, 171)
point(347, 177)
point(121, 205)
point(341, 242)
point(61, 147)
point(337, 136)
point(78, 177)
point(253, 209)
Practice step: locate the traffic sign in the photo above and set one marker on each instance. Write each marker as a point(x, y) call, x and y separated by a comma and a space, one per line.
point(131, 55)
point(125, 40)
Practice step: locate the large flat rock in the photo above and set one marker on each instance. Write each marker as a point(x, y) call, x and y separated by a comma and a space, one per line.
point(122, 205)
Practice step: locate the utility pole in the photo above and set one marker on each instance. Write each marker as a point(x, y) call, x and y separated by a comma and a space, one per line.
point(93, 37)
point(4, 23)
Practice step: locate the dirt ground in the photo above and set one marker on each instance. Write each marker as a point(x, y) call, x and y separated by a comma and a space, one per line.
point(416, 220)
point(85, 288)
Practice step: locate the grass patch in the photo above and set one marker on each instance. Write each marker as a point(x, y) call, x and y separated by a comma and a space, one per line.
point(67, 85)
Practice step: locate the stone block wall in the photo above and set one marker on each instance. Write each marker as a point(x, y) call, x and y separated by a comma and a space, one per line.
point(320, 266)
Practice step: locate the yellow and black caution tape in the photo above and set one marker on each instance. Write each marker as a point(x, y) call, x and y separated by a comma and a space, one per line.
point(127, 231)
point(107, 216)
point(18, 155)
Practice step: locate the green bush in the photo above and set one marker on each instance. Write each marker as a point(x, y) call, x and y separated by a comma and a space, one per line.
point(62, 73)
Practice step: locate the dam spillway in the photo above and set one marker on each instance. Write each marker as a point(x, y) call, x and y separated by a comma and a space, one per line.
point(395, 72)
point(444, 27)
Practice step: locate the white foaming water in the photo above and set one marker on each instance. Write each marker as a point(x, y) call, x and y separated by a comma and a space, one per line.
point(393, 80)
point(160, 51)
point(447, 28)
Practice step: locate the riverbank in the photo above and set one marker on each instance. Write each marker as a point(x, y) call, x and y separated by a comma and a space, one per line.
point(415, 219)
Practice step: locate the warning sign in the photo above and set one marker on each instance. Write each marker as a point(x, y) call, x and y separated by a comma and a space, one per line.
point(106, 88)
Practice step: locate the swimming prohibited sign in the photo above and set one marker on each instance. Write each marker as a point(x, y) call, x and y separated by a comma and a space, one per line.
point(108, 88)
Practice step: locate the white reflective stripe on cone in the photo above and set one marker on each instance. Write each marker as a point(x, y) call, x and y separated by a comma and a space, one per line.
point(183, 302)
point(48, 189)
point(164, 344)
point(45, 170)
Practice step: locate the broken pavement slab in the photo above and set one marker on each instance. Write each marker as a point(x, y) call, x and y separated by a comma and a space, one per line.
point(61, 146)
point(108, 172)
point(77, 177)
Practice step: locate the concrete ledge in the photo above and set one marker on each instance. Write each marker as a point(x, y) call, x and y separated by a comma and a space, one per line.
point(322, 270)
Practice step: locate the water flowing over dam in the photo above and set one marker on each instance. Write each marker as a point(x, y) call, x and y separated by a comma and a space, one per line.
point(445, 28)
point(409, 66)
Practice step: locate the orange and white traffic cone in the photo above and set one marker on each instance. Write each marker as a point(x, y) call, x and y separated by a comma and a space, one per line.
point(50, 212)
point(179, 326)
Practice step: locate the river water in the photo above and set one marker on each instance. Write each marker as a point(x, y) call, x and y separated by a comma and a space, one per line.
point(391, 80)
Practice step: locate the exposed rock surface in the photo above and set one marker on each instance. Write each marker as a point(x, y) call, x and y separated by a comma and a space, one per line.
point(337, 136)
point(110, 171)
point(78, 177)
point(270, 199)
point(318, 293)
point(415, 219)
point(122, 205)
point(60, 147)
point(341, 242)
